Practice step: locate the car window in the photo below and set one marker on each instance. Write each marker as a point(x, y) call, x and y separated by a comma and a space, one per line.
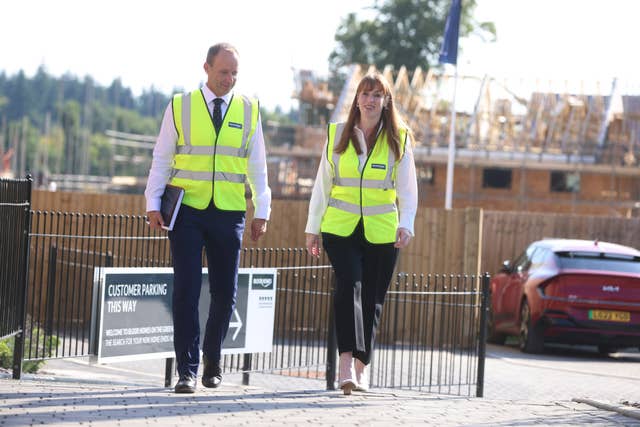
point(524, 261)
point(599, 261)
point(538, 258)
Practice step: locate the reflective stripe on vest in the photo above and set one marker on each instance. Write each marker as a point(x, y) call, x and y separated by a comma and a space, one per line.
point(206, 176)
point(368, 194)
point(209, 165)
point(210, 151)
point(357, 209)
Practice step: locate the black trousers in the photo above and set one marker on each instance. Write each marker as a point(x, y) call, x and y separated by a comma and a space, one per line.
point(363, 271)
point(220, 234)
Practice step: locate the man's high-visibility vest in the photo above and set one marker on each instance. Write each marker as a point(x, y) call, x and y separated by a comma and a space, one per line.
point(370, 195)
point(210, 165)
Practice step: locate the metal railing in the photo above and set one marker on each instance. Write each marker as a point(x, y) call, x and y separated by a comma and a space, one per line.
point(15, 203)
point(432, 334)
point(66, 249)
point(430, 337)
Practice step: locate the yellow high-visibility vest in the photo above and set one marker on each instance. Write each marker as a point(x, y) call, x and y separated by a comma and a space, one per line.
point(370, 194)
point(209, 165)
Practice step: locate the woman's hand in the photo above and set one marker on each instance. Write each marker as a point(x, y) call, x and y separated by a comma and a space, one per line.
point(313, 244)
point(403, 237)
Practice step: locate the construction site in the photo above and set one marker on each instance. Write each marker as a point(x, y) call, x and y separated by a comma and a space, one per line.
point(537, 146)
point(525, 146)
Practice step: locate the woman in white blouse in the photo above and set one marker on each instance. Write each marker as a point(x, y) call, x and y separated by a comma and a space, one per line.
point(363, 203)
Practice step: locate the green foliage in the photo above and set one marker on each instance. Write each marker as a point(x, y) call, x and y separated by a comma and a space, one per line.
point(46, 345)
point(60, 123)
point(57, 121)
point(6, 353)
point(403, 32)
point(101, 155)
point(132, 122)
point(278, 116)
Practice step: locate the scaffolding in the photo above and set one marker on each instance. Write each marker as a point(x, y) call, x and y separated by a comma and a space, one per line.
point(566, 121)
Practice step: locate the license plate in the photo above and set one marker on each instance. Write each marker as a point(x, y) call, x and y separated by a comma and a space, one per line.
point(610, 315)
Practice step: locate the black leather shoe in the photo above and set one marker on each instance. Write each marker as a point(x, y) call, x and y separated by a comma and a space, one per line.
point(211, 374)
point(186, 384)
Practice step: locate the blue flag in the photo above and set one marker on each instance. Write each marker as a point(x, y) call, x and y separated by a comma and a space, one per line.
point(449, 49)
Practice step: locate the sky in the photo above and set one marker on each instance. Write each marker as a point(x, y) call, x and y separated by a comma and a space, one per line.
point(163, 44)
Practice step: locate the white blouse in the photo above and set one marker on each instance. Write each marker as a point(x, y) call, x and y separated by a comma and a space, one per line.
point(406, 187)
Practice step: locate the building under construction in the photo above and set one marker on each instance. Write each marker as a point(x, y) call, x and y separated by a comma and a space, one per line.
point(531, 146)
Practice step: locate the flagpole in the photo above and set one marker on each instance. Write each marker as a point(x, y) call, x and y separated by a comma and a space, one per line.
point(452, 146)
point(449, 55)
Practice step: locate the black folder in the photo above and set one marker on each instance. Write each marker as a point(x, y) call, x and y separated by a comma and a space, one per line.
point(170, 205)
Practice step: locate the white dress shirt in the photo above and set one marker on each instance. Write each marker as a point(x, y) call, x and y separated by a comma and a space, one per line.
point(165, 149)
point(406, 187)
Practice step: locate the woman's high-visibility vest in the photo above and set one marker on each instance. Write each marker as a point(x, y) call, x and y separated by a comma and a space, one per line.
point(209, 165)
point(370, 195)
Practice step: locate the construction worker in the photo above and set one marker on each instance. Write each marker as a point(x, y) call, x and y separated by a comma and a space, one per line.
point(210, 142)
point(366, 166)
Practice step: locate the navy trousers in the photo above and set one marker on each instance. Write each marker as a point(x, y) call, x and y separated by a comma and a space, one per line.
point(220, 234)
point(363, 271)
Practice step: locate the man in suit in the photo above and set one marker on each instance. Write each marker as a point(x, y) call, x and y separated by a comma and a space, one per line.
point(210, 142)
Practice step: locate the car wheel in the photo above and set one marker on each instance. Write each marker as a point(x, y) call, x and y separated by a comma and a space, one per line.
point(493, 336)
point(530, 340)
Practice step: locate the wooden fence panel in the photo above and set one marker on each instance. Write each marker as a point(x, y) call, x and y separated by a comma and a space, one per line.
point(446, 241)
point(67, 201)
point(507, 234)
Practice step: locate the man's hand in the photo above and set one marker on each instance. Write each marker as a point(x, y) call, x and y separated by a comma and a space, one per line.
point(403, 237)
point(313, 244)
point(258, 228)
point(155, 220)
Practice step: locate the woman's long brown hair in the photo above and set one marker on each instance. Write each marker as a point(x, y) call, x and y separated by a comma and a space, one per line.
point(391, 121)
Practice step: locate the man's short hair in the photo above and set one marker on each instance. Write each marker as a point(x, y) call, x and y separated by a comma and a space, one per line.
point(216, 48)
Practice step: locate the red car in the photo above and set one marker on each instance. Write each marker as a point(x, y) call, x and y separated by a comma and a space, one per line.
point(568, 291)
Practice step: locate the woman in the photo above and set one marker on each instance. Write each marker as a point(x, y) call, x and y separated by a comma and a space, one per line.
point(367, 164)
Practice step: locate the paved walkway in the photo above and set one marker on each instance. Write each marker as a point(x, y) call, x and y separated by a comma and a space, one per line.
point(86, 396)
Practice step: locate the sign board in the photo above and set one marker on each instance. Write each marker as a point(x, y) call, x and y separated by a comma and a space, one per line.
point(132, 319)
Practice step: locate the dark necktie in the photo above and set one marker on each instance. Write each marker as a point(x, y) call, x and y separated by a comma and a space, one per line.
point(217, 114)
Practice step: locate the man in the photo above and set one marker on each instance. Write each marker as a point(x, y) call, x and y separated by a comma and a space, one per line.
point(209, 143)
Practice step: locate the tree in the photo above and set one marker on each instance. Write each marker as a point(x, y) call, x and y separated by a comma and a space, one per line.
point(62, 122)
point(403, 32)
point(70, 120)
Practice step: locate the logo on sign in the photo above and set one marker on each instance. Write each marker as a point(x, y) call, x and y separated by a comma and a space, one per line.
point(262, 281)
point(611, 288)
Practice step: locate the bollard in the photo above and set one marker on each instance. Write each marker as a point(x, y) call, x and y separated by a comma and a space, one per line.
point(332, 347)
point(168, 371)
point(246, 367)
point(482, 339)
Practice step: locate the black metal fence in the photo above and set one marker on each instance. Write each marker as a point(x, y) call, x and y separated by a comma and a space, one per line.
point(15, 204)
point(430, 337)
point(66, 249)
